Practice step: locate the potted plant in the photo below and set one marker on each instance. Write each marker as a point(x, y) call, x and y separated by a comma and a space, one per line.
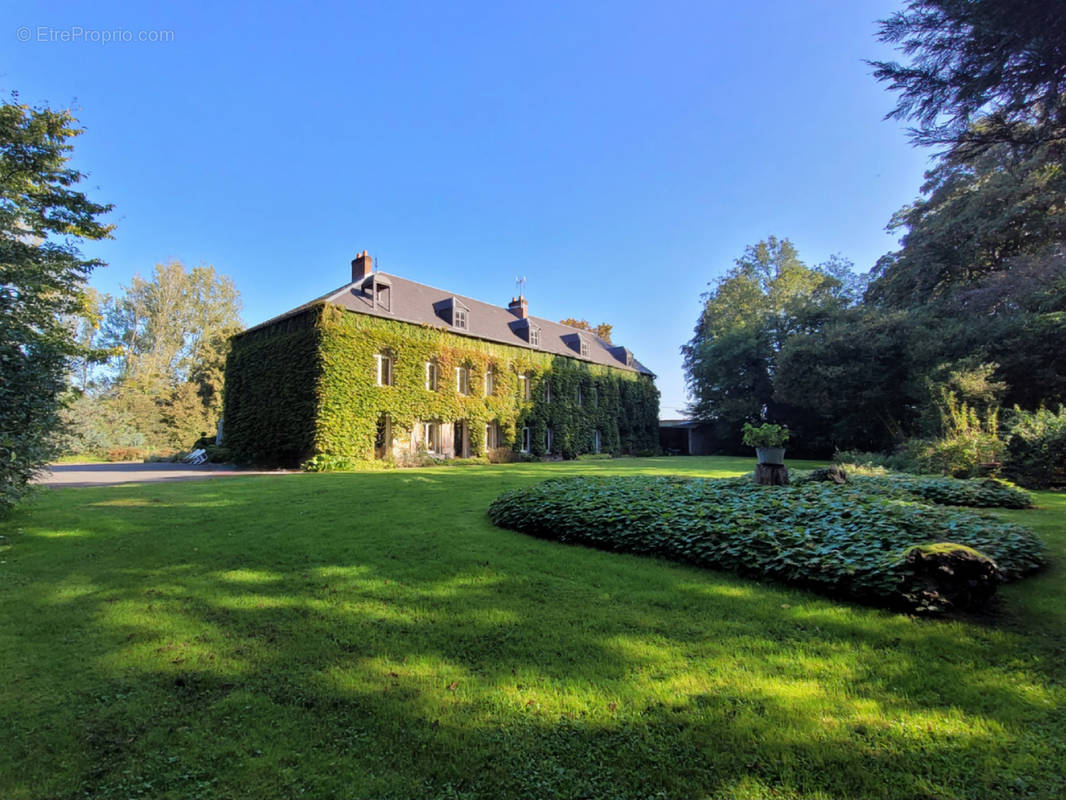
point(768, 441)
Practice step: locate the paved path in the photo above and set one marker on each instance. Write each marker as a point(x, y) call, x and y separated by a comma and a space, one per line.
point(136, 472)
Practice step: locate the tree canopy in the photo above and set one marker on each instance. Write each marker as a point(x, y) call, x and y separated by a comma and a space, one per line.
point(998, 62)
point(43, 219)
point(603, 330)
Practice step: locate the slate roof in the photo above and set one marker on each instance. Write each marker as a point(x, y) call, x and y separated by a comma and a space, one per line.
point(425, 305)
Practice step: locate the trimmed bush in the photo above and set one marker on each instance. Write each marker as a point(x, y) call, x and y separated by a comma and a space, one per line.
point(837, 539)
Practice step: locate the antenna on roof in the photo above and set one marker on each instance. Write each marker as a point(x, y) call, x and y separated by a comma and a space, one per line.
point(520, 284)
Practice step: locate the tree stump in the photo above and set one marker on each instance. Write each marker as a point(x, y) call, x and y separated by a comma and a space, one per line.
point(771, 474)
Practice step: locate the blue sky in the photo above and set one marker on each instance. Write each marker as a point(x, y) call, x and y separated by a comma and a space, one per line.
point(618, 155)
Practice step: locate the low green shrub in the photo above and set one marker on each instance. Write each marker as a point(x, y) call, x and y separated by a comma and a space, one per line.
point(1036, 450)
point(837, 539)
point(218, 454)
point(853, 459)
point(972, 492)
point(125, 454)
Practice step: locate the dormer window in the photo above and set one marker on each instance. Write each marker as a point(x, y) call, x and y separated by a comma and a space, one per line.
point(584, 349)
point(384, 296)
point(534, 336)
point(454, 312)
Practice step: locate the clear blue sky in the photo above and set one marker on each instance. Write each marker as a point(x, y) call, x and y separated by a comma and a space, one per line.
point(619, 155)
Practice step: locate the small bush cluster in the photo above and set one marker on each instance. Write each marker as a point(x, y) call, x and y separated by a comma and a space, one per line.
point(838, 539)
point(125, 454)
point(973, 492)
point(1036, 450)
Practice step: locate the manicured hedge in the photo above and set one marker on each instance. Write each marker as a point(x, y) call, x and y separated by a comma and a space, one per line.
point(838, 539)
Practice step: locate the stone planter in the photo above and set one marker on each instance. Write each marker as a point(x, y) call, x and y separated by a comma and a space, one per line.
point(770, 455)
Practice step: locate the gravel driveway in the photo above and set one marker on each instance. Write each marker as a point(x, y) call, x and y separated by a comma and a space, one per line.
point(112, 474)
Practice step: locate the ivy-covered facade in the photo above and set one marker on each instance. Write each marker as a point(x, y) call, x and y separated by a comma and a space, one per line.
point(329, 381)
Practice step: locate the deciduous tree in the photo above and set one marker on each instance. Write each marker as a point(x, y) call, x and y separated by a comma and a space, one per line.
point(43, 219)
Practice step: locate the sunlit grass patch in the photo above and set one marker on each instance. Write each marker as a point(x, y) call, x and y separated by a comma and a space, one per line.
point(373, 635)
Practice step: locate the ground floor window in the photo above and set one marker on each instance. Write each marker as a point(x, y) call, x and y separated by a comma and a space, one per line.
point(492, 436)
point(596, 442)
point(460, 439)
point(526, 440)
point(549, 440)
point(383, 437)
point(431, 436)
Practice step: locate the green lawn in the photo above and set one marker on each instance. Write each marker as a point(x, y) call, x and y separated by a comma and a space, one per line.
point(374, 636)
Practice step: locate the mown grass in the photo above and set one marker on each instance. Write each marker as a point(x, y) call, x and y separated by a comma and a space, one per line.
point(374, 636)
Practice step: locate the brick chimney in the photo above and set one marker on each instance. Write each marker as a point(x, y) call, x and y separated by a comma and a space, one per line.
point(519, 307)
point(362, 265)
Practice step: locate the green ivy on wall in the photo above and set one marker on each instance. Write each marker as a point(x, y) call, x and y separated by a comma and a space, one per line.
point(307, 385)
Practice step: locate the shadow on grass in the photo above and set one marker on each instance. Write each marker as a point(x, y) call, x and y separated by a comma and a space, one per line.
point(374, 636)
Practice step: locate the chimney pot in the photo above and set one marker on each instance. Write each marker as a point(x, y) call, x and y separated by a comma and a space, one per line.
point(362, 265)
point(519, 307)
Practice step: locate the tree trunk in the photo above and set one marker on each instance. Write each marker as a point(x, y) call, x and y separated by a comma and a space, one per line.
point(771, 474)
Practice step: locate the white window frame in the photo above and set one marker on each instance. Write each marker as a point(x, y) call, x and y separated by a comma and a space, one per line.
point(459, 319)
point(492, 435)
point(462, 380)
point(527, 439)
point(549, 440)
point(431, 437)
point(596, 444)
point(432, 376)
point(490, 382)
point(534, 336)
point(547, 391)
point(584, 349)
point(383, 368)
point(523, 386)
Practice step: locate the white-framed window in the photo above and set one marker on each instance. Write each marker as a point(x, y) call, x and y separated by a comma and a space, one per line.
point(432, 375)
point(547, 391)
point(596, 442)
point(462, 380)
point(431, 436)
point(492, 436)
point(383, 366)
point(523, 386)
point(534, 336)
point(490, 382)
point(584, 349)
point(595, 394)
point(459, 318)
point(549, 441)
point(527, 439)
